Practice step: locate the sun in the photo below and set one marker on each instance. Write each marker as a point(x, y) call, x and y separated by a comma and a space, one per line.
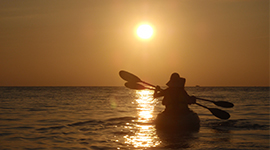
point(145, 31)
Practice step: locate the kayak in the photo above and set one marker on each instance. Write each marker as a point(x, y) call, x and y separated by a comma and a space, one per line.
point(178, 123)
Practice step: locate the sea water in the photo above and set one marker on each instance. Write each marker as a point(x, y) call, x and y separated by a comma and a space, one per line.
point(82, 118)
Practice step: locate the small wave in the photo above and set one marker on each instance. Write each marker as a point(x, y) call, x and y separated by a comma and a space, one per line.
point(6, 108)
point(118, 121)
point(237, 124)
point(51, 128)
point(93, 122)
point(21, 128)
point(37, 109)
point(81, 123)
point(122, 133)
point(122, 119)
point(10, 119)
point(52, 120)
point(101, 147)
point(5, 134)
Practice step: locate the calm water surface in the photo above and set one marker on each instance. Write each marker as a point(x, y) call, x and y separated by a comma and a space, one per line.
point(119, 118)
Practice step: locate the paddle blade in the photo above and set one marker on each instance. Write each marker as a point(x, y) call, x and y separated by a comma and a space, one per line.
point(135, 86)
point(219, 113)
point(129, 77)
point(224, 104)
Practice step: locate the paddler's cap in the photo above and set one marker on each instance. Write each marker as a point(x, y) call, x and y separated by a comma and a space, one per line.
point(176, 81)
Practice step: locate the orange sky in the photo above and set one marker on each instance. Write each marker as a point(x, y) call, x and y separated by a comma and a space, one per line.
point(87, 42)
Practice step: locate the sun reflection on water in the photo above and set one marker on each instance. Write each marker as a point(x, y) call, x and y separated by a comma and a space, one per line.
point(144, 130)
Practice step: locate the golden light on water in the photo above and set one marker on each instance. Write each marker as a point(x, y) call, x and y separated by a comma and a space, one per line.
point(145, 132)
point(146, 105)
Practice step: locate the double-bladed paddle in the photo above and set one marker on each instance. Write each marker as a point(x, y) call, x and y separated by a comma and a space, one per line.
point(136, 86)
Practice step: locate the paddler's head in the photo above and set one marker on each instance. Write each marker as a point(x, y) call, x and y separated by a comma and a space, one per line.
point(176, 81)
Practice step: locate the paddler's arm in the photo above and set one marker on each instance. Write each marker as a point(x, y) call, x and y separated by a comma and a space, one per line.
point(158, 92)
point(190, 99)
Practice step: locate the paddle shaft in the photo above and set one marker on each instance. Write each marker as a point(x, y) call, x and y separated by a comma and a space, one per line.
point(147, 83)
point(205, 99)
point(202, 105)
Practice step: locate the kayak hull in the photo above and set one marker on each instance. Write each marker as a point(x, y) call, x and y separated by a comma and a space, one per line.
point(178, 123)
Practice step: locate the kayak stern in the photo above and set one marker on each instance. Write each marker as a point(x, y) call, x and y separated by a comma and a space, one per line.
point(178, 123)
